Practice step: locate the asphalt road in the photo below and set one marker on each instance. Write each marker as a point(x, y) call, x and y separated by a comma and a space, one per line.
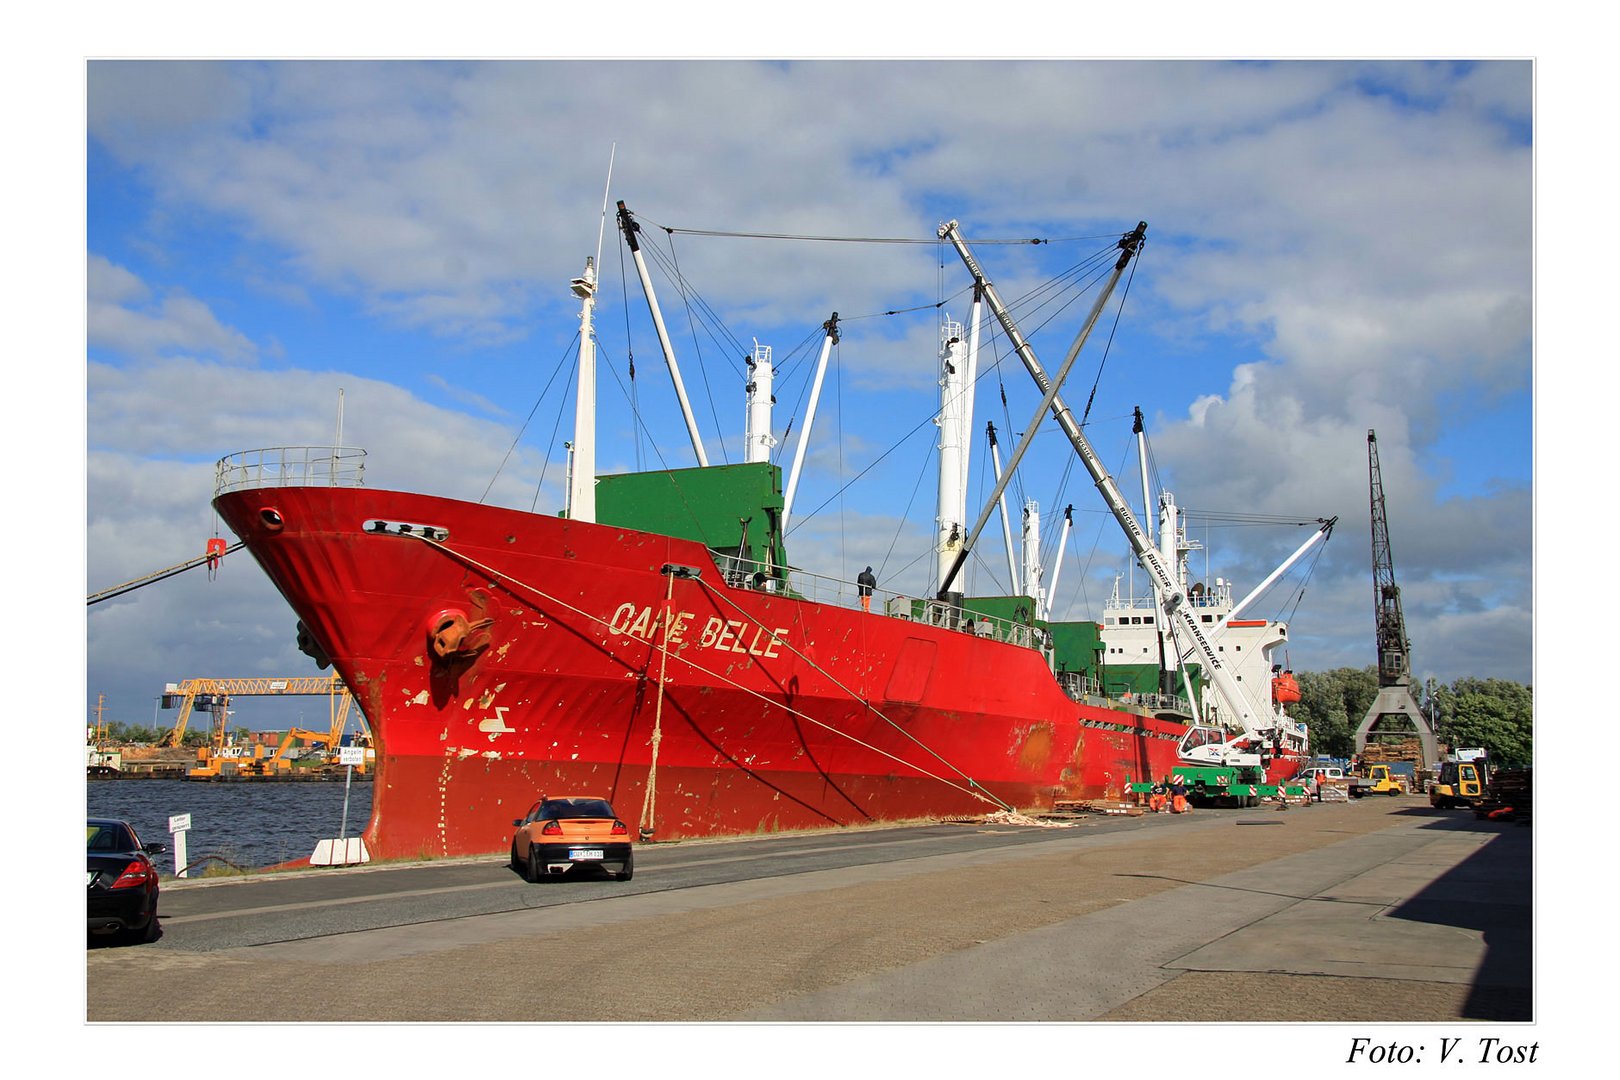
point(1372, 911)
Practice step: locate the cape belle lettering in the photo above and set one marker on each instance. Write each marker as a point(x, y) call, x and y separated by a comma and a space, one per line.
point(723, 635)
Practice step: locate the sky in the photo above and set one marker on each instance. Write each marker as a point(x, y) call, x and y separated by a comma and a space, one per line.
point(277, 248)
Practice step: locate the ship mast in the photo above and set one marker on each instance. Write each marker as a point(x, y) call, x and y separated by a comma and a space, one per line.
point(581, 500)
point(1032, 557)
point(757, 437)
point(955, 419)
point(582, 451)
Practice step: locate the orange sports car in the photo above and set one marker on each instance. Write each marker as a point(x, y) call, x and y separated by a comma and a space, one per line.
point(559, 834)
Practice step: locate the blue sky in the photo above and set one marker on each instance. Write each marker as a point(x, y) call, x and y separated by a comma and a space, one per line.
point(1333, 246)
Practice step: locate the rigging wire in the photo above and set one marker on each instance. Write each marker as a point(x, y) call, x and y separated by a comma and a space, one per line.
point(703, 369)
point(533, 409)
point(1015, 241)
point(904, 517)
point(1108, 346)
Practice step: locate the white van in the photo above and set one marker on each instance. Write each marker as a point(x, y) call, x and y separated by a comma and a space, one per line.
point(1328, 773)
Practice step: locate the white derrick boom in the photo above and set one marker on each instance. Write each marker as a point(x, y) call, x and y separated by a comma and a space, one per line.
point(1315, 538)
point(831, 326)
point(629, 227)
point(1006, 522)
point(1057, 564)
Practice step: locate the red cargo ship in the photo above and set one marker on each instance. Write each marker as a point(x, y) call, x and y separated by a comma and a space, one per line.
point(647, 648)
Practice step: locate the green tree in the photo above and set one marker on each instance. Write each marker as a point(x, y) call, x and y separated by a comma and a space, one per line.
point(1332, 703)
point(126, 734)
point(1494, 713)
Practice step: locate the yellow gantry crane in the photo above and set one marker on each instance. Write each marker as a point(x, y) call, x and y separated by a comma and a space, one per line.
point(218, 758)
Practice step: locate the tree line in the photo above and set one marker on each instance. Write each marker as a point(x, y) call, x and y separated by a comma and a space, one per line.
point(1493, 713)
point(123, 734)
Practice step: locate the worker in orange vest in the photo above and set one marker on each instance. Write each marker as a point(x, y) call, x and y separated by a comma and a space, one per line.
point(1157, 799)
point(866, 581)
point(1178, 797)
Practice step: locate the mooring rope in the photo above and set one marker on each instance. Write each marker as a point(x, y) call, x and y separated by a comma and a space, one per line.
point(649, 803)
point(974, 790)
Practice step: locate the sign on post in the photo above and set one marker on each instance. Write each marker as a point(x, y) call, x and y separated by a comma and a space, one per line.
point(345, 850)
point(178, 825)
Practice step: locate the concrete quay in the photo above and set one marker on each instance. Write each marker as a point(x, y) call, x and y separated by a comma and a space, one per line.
point(1377, 911)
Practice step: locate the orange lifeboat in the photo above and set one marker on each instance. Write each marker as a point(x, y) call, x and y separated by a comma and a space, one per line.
point(1285, 688)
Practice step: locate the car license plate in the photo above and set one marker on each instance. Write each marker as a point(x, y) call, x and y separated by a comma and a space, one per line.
point(582, 854)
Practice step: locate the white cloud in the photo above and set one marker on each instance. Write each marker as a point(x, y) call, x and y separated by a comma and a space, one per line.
point(172, 324)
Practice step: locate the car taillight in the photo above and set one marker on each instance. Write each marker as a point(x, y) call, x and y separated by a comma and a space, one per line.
point(551, 828)
point(619, 829)
point(136, 873)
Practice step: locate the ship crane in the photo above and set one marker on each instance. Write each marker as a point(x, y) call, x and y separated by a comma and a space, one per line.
point(1396, 707)
point(1201, 743)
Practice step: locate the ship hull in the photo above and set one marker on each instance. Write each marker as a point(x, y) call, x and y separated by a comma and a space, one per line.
point(500, 655)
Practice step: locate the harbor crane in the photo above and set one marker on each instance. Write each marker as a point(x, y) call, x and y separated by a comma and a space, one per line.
point(1396, 707)
point(215, 696)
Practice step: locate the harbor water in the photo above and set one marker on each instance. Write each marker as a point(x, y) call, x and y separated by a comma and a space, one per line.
point(243, 824)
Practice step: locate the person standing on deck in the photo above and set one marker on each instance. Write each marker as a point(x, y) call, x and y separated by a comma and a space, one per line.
point(865, 583)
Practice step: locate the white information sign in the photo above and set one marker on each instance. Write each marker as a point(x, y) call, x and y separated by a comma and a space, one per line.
point(179, 824)
point(351, 755)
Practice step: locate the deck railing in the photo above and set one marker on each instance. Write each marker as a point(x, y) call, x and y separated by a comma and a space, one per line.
point(291, 466)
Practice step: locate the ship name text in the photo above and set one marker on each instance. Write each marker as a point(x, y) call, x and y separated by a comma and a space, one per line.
point(725, 635)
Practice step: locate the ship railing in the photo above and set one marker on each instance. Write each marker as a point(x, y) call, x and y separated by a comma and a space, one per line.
point(742, 573)
point(1079, 686)
point(1164, 703)
point(1216, 596)
point(951, 617)
point(290, 466)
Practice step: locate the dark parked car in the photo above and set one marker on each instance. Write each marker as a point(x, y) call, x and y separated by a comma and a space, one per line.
point(559, 834)
point(123, 883)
